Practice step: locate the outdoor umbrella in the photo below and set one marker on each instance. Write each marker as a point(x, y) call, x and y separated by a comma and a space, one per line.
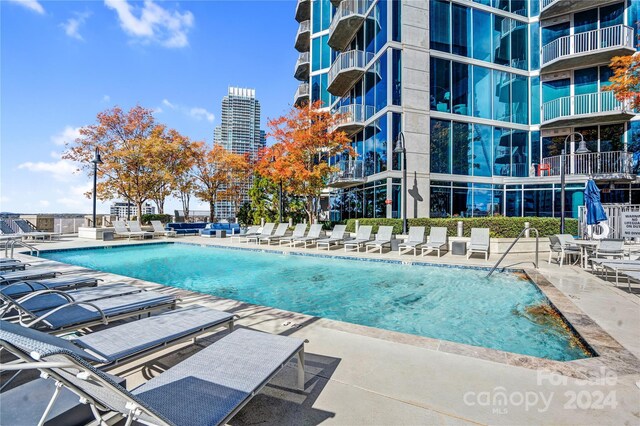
point(595, 212)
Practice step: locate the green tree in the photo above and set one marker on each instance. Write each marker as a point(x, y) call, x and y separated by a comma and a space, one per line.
point(264, 199)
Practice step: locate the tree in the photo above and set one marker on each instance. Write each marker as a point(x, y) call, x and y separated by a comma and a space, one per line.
point(625, 82)
point(305, 140)
point(263, 195)
point(130, 144)
point(214, 169)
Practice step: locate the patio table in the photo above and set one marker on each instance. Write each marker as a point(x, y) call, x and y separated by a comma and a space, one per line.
point(584, 245)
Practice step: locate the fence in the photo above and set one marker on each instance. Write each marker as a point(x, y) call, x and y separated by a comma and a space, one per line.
point(67, 225)
point(614, 215)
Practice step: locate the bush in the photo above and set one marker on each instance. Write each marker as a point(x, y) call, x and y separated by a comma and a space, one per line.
point(500, 227)
point(146, 219)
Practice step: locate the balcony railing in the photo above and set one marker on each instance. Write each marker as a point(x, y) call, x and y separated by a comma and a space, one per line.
point(590, 103)
point(346, 21)
point(346, 69)
point(350, 173)
point(301, 71)
point(617, 36)
point(302, 93)
point(612, 163)
point(352, 117)
point(302, 36)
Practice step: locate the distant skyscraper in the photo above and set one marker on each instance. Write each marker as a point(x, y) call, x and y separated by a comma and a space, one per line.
point(239, 132)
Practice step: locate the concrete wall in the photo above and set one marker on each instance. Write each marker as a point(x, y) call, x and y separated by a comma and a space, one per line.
point(40, 221)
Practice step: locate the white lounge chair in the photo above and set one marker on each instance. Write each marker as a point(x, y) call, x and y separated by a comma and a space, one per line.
point(363, 236)
point(252, 231)
point(135, 226)
point(158, 229)
point(267, 230)
point(336, 237)
point(479, 243)
point(314, 233)
point(298, 232)
point(610, 248)
point(280, 232)
point(383, 238)
point(438, 240)
point(415, 239)
point(121, 230)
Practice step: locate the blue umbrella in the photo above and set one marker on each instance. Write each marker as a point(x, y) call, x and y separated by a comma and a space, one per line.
point(595, 212)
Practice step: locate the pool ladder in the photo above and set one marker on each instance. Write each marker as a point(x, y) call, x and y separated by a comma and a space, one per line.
point(535, 264)
point(12, 243)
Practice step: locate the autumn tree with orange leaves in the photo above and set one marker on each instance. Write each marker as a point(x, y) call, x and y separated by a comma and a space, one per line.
point(215, 170)
point(305, 139)
point(625, 82)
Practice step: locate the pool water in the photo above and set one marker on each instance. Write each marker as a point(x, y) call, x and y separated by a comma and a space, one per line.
point(456, 304)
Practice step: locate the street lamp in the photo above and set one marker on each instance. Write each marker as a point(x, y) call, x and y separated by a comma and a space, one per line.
point(281, 204)
point(582, 149)
point(402, 149)
point(95, 160)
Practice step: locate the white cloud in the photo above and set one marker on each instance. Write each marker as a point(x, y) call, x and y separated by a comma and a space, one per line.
point(152, 23)
point(61, 170)
point(44, 203)
point(200, 113)
point(32, 5)
point(69, 134)
point(166, 102)
point(72, 25)
point(106, 99)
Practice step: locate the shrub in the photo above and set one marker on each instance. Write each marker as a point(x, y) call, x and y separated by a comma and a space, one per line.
point(500, 227)
point(146, 219)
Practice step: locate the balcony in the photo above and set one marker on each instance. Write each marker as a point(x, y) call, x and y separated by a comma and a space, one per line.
point(549, 8)
point(302, 94)
point(346, 22)
point(347, 68)
point(303, 10)
point(591, 108)
point(350, 173)
point(591, 47)
point(303, 36)
point(613, 165)
point(302, 67)
point(352, 118)
point(335, 3)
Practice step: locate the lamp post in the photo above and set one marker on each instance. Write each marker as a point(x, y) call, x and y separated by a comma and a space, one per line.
point(95, 160)
point(402, 149)
point(582, 149)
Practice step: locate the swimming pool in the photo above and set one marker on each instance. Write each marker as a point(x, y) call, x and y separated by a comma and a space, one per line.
point(456, 304)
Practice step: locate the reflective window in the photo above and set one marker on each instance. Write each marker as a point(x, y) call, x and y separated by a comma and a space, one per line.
point(482, 149)
point(535, 147)
point(535, 8)
point(461, 148)
point(462, 89)
point(440, 85)
point(501, 40)
point(396, 88)
point(461, 200)
point(554, 32)
point(440, 25)
point(605, 74)
point(397, 21)
point(321, 15)
point(501, 151)
point(461, 29)
point(535, 100)
point(555, 89)
point(633, 145)
point(320, 53)
point(535, 45)
point(519, 7)
point(376, 84)
point(612, 137)
point(481, 35)
point(369, 150)
point(519, 157)
point(482, 92)
point(612, 15)
point(513, 203)
point(319, 89)
point(538, 203)
point(585, 21)
point(483, 202)
point(440, 204)
point(440, 146)
point(502, 95)
point(520, 98)
point(519, 45)
point(380, 136)
point(585, 81)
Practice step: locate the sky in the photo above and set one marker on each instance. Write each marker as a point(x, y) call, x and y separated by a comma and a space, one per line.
point(63, 62)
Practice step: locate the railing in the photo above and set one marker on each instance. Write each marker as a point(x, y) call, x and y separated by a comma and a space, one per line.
point(350, 171)
point(305, 26)
point(598, 163)
point(614, 218)
point(302, 91)
point(586, 104)
point(524, 231)
point(12, 243)
point(347, 8)
point(546, 3)
point(589, 41)
point(509, 25)
point(302, 58)
point(354, 113)
point(348, 60)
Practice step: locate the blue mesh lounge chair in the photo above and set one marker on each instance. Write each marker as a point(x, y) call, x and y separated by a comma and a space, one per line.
point(363, 236)
point(280, 232)
point(208, 388)
point(312, 236)
point(480, 242)
point(298, 232)
point(80, 314)
point(6, 229)
point(27, 230)
point(438, 240)
point(383, 238)
point(267, 230)
point(13, 265)
point(414, 240)
point(22, 288)
point(610, 248)
point(29, 274)
point(336, 238)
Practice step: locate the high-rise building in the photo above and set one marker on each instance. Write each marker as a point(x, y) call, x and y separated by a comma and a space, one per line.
point(240, 133)
point(485, 94)
point(122, 209)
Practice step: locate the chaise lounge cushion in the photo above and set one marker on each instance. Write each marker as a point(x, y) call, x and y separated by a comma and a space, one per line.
point(186, 228)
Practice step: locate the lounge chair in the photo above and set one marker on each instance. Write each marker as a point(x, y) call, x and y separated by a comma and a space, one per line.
point(383, 238)
point(267, 230)
point(479, 243)
point(122, 231)
point(336, 238)
point(415, 239)
point(75, 315)
point(280, 232)
point(252, 231)
point(298, 232)
point(610, 248)
point(28, 231)
point(208, 388)
point(22, 288)
point(6, 229)
point(135, 226)
point(438, 240)
point(13, 265)
point(158, 229)
point(562, 245)
point(312, 236)
point(363, 236)
point(28, 274)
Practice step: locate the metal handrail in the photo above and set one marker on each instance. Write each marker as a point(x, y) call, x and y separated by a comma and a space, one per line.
point(527, 228)
point(24, 244)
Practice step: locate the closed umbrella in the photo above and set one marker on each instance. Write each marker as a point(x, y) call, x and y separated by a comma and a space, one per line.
point(595, 212)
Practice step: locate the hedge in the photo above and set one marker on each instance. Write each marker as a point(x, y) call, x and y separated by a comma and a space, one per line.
point(146, 219)
point(500, 227)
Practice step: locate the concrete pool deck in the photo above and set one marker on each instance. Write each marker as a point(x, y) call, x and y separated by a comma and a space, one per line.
point(359, 375)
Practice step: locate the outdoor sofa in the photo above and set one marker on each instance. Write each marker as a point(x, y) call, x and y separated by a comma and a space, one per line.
point(186, 228)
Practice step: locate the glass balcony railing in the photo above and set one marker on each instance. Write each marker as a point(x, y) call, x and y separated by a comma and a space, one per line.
point(347, 68)
point(592, 42)
point(352, 117)
point(350, 173)
point(349, 16)
point(599, 164)
point(589, 104)
point(303, 36)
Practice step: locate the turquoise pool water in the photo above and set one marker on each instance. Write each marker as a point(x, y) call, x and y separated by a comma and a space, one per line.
point(454, 304)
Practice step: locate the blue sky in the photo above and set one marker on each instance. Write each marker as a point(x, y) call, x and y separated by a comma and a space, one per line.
point(63, 62)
